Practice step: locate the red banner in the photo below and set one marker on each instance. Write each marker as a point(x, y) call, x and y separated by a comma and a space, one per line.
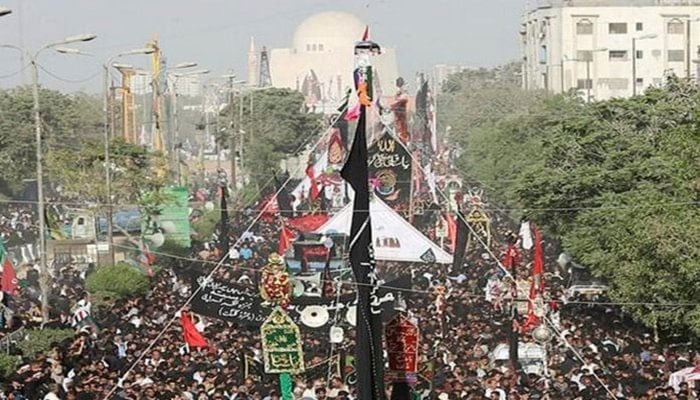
point(402, 345)
point(308, 223)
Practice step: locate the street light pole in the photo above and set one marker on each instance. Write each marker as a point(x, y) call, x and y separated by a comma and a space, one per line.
point(108, 166)
point(44, 275)
point(634, 60)
point(177, 146)
point(634, 67)
point(588, 79)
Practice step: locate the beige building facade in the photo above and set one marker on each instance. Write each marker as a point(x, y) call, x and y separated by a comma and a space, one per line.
point(609, 48)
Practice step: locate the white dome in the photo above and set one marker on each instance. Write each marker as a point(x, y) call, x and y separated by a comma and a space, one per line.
point(328, 32)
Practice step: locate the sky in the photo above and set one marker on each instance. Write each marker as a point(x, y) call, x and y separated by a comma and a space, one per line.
point(216, 33)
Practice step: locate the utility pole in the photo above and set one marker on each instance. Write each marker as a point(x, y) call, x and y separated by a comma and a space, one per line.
point(232, 146)
point(44, 275)
point(240, 132)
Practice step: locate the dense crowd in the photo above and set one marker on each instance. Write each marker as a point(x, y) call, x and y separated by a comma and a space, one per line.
point(592, 346)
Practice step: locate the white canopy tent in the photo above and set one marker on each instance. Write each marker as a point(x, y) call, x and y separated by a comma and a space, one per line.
point(394, 238)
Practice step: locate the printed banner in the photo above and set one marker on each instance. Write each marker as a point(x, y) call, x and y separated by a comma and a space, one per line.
point(242, 304)
point(390, 166)
point(229, 301)
point(281, 343)
point(402, 345)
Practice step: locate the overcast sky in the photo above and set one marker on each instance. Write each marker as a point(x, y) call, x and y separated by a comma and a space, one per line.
point(215, 33)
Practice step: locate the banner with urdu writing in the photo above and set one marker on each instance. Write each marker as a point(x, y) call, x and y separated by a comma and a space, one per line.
point(390, 171)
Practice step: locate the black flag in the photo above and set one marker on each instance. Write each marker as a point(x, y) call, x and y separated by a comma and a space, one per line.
point(460, 242)
point(368, 343)
point(223, 238)
point(284, 200)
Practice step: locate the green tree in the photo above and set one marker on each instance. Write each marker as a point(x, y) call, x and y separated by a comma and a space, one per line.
point(41, 340)
point(67, 121)
point(119, 280)
point(618, 182)
point(8, 365)
point(275, 126)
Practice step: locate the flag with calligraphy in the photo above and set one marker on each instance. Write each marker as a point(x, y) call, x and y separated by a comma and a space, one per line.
point(368, 345)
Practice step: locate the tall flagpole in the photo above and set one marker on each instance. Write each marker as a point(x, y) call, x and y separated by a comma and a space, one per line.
point(369, 355)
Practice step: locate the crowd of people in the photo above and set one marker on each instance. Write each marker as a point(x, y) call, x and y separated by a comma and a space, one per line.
point(135, 348)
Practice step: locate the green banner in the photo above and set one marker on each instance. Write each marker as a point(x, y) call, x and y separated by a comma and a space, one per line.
point(176, 210)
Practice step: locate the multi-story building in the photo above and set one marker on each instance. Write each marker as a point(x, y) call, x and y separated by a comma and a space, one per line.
point(443, 71)
point(609, 48)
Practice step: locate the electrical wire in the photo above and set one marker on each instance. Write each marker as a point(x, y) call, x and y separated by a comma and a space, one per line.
point(431, 292)
point(627, 207)
point(15, 73)
point(578, 355)
point(51, 74)
point(207, 279)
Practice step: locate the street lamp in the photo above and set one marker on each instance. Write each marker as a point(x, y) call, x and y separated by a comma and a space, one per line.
point(108, 175)
point(45, 277)
point(634, 59)
point(4, 11)
point(588, 60)
point(176, 139)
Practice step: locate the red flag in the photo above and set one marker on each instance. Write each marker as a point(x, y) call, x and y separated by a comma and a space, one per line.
point(9, 277)
point(538, 262)
point(285, 243)
point(512, 257)
point(192, 336)
point(313, 190)
point(451, 230)
point(365, 34)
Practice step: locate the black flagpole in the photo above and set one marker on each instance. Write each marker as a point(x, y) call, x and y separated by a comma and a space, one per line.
point(369, 355)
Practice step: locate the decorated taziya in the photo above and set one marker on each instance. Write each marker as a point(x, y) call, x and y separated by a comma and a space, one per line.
point(364, 49)
point(275, 286)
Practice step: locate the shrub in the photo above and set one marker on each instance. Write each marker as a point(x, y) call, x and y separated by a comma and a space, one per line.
point(41, 340)
point(206, 224)
point(8, 365)
point(119, 280)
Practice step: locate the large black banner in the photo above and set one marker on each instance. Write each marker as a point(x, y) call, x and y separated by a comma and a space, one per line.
point(390, 168)
point(229, 301)
point(242, 304)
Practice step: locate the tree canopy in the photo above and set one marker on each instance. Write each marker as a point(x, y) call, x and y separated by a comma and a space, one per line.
point(274, 126)
point(618, 182)
point(68, 120)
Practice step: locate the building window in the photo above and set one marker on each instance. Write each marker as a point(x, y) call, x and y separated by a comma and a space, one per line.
point(584, 84)
point(617, 55)
point(584, 55)
point(308, 47)
point(313, 47)
point(617, 28)
point(639, 26)
point(614, 83)
point(584, 27)
point(543, 54)
point(639, 54)
point(676, 55)
point(675, 27)
point(640, 82)
point(320, 47)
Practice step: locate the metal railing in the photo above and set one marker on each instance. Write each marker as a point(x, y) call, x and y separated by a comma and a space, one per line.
point(7, 341)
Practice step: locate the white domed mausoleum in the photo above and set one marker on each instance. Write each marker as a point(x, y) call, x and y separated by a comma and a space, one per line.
point(321, 60)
